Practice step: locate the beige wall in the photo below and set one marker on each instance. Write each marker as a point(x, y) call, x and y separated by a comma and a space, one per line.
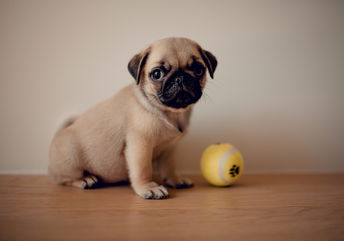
point(277, 93)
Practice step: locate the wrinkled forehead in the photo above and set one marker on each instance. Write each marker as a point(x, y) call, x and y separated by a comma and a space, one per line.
point(177, 52)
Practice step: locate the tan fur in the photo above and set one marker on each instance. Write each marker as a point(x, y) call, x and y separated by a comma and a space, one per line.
point(123, 137)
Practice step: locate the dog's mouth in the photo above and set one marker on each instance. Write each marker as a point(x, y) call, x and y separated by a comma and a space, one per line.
point(180, 93)
point(181, 100)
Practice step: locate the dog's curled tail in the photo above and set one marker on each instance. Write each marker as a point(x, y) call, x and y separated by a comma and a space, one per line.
point(69, 121)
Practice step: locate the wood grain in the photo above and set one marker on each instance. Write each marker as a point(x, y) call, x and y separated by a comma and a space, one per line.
point(258, 207)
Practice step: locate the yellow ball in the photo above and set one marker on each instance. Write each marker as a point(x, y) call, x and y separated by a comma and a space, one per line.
point(222, 164)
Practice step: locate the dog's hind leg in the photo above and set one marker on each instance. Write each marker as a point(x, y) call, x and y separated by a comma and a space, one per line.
point(66, 164)
point(86, 182)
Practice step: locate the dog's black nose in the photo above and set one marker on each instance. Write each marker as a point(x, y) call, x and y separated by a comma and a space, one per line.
point(179, 79)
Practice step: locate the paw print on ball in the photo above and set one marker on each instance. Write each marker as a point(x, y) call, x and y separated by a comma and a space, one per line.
point(234, 171)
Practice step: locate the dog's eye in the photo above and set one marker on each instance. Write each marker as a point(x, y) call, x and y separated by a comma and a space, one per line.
point(157, 74)
point(198, 69)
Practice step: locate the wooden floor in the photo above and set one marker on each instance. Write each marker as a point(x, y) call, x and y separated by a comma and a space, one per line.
point(259, 207)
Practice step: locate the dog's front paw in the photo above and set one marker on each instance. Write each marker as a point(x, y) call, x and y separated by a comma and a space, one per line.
point(178, 182)
point(151, 190)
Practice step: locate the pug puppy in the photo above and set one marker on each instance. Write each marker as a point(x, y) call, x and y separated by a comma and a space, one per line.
point(126, 137)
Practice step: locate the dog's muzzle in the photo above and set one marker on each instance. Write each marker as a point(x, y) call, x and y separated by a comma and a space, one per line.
point(180, 91)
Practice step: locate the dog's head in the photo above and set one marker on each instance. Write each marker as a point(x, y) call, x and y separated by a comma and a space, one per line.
point(172, 72)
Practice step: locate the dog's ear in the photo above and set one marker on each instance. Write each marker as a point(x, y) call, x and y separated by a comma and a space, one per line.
point(137, 63)
point(210, 61)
